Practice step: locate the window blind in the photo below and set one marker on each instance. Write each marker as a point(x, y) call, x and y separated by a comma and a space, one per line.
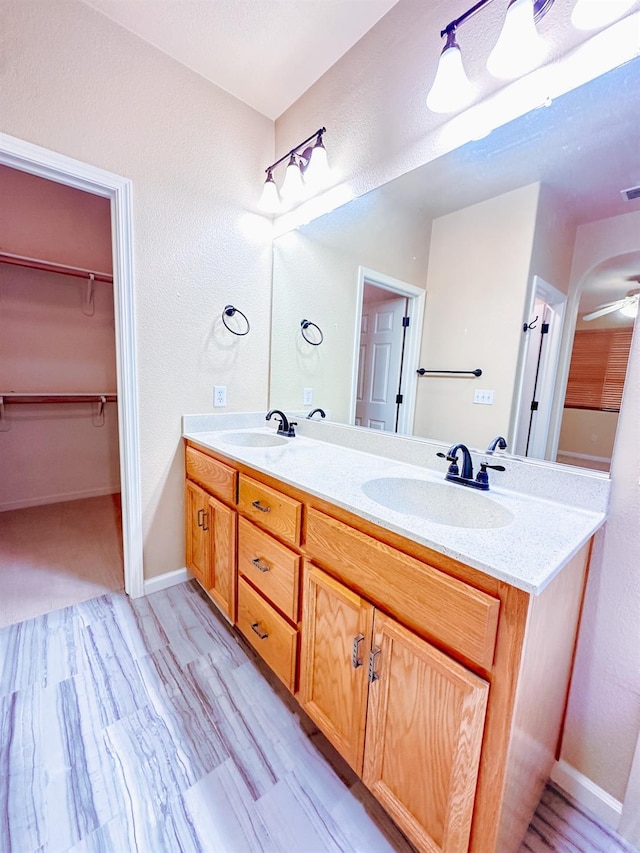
point(598, 369)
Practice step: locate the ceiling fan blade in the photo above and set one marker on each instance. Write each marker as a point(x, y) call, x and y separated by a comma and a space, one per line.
point(605, 309)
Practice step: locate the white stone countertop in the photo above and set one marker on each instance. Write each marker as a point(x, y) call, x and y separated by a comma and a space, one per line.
point(527, 553)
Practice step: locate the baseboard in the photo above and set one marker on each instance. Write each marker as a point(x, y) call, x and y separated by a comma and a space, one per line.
point(166, 580)
point(587, 793)
point(568, 454)
point(57, 499)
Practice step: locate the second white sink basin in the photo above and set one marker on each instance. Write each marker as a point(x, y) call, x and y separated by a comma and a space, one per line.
point(442, 503)
point(254, 439)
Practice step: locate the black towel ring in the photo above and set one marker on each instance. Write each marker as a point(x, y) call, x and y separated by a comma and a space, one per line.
point(229, 311)
point(305, 324)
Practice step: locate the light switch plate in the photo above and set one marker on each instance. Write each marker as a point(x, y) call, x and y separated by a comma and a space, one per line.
point(483, 397)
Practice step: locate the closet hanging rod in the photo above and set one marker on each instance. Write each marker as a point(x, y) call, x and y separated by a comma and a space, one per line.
point(14, 397)
point(51, 266)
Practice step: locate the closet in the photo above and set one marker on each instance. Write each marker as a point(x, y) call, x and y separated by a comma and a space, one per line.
point(60, 518)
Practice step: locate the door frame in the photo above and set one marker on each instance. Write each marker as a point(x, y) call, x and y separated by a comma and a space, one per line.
point(413, 341)
point(27, 157)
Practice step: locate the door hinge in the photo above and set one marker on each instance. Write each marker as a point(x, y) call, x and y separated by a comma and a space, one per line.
point(544, 329)
point(405, 321)
point(534, 405)
point(398, 399)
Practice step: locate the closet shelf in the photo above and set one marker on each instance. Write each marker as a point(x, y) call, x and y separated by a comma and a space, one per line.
point(15, 397)
point(51, 266)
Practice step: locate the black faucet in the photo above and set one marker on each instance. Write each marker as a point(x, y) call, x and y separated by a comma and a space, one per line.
point(321, 412)
point(284, 428)
point(498, 443)
point(466, 477)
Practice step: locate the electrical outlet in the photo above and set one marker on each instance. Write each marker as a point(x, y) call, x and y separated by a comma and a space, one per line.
point(483, 397)
point(307, 395)
point(219, 395)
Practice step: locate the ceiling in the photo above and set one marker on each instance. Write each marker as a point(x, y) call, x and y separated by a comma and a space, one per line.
point(266, 53)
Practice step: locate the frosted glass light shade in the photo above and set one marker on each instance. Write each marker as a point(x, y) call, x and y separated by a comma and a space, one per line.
point(519, 48)
point(630, 309)
point(270, 199)
point(292, 187)
point(317, 172)
point(591, 14)
point(451, 88)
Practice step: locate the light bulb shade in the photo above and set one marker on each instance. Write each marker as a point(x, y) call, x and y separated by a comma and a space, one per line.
point(630, 309)
point(451, 88)
point(519, 48)
point(591, 14)
point(317, 171)
point(292, 187)
point(270, 199)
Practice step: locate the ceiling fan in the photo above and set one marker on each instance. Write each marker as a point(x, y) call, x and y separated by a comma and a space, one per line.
point(628, 305)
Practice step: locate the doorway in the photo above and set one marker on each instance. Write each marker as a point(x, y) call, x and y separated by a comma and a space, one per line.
point(24, 156)
point(387, 341)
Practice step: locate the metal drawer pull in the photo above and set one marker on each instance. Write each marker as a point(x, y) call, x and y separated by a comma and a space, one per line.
point(261, 567)
point(355, 660)
point(262, 634)
point(205, 518)
point(200, 516)
point(373, 675)
point(259, 506)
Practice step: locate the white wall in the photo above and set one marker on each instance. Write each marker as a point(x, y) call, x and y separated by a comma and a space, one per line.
point(75, 82)
point(480, 257)
point(372, 103)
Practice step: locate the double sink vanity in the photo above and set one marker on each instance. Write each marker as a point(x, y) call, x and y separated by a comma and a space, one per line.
point(428, 629)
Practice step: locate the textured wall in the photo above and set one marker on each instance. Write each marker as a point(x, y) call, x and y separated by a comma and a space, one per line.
point(74, 82)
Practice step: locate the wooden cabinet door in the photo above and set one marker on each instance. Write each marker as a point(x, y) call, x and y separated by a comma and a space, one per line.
point(197, 534)
point(424, 735)
point(336, 637)
point(221, 524)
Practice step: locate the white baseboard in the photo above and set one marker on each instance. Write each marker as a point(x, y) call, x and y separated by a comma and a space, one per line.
point(166, 580)
point(587, 793)
point(57, 499)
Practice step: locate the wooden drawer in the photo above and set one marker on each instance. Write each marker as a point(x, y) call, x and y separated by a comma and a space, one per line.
point(270, 509)
point(269, 634)
point(434, 605)
point(216, 478)
point(270, 566)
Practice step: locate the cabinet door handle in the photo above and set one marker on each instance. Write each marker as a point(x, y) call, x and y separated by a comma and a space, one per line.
point(373, 675)
point(260, 566)
point(200, 517)
point(259, 506)
point(255, 628)
point(355, 660)
point(205, 519)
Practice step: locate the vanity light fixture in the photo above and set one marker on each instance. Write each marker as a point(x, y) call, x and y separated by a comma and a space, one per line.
point(307, 168)
point(591, 14)
point(518, 50)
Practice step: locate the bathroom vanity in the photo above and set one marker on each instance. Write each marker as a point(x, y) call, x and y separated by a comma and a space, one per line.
point(435, 657)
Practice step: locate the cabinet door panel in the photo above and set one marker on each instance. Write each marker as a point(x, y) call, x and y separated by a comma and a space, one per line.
point(332, 691)
point(222, 556)
point(197, 535)
point(424, 736)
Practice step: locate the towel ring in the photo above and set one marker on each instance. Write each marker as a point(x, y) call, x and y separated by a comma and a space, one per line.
point(229, 311)
point(305, 324)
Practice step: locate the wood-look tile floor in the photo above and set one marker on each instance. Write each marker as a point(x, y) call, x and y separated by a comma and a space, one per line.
point(148, 727)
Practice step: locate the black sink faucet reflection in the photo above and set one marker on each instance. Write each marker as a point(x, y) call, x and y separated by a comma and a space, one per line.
point(320, 412)
point(498, 443)
point(465, 477)
point(284, 427)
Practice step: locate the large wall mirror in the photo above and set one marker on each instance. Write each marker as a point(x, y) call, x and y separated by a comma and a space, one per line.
point(500, 253)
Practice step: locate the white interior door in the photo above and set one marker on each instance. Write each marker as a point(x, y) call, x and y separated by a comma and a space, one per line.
point(380, 361)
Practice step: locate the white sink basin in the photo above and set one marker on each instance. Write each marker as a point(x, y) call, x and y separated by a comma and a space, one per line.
point(442, 503)
point(253, 439)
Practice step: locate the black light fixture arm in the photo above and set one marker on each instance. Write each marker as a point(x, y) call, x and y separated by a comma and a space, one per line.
point(540, 8)
point(316, 135)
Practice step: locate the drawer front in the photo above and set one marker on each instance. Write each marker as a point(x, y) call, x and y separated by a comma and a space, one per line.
point(270, 566)
point(218, 479)
point(270, 509)
point(269, 634)
point(434, 605)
